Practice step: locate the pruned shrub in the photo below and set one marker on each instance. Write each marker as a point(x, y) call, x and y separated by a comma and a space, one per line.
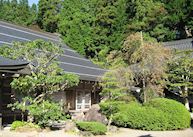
point(95, 128)
point(20, 125)
point(139, 117)
point(46, 112)
point(158, 114)
point(179, 116)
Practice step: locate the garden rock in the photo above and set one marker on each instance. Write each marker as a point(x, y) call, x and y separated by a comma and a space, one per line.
point(57, 125)
point(70, 126)
point(78, 116)
point(113, 129)
point(93, 114)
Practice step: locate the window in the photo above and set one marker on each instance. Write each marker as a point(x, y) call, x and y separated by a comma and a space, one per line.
point(83, 100)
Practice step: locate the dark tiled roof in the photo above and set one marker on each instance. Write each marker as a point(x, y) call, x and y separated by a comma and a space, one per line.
point(184, 44)
point(5, 62)
point(14, 66)
point(71, 61)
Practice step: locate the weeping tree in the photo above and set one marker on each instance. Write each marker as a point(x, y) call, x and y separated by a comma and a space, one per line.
point(46, 75)
point(147, 60)
point(180, 74)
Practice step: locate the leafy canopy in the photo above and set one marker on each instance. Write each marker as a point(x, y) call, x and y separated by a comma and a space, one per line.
point(47, 77)
point(180, 72)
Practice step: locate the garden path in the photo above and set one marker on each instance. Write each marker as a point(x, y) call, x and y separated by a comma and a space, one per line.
point(139, 133)
point(123, 133)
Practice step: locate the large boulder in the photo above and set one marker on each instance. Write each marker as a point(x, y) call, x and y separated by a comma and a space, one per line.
point(93, 114)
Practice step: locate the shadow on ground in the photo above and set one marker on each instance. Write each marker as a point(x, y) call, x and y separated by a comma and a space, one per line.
point(146, 135)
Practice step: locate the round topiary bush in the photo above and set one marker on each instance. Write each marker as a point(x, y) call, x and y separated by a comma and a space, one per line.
point(95, 128)
point(158, 114)
point(139, 117)
point(179, 116)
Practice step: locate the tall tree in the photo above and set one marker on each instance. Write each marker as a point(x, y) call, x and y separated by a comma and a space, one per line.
point(110, 24)
point(179, 19)
point(89, 25)
point(17, 12)
point(75, 25)
point(33, 11)
point(48, 14)
point(148, 16)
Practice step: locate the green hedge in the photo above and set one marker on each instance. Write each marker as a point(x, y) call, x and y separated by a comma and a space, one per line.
point(95, 128)
point(141, 118)
point(158, 114)
point(111, 107)
point(178, 115)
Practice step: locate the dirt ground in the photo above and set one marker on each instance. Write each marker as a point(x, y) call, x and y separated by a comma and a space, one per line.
point(122, 133)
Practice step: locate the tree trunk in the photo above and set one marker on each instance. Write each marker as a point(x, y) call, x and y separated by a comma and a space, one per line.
point(144, 92)
point(185, 95)
point(187, 104)
point(109, 123)
point(22, 116)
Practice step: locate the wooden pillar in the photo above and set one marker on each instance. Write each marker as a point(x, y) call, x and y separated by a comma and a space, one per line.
point(0, 104)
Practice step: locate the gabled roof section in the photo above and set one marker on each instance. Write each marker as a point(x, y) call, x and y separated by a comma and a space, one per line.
point(14, 66)
point(70, 61)
point(184, 44)
point(5, 62)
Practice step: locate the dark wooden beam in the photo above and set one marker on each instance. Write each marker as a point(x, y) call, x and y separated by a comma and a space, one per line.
point(0, 104)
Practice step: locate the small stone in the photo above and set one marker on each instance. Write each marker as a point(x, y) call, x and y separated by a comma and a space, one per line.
point(113, 129)
point(70, 126)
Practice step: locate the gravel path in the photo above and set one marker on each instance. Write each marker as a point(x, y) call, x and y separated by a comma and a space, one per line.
point(139, 133)
point(123, 133)
point(59, 133)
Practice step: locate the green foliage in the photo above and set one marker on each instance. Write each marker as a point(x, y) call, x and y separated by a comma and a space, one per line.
point(95, 128)
point(46, 112)
point(47, 77)
point(90, 26)
point(141, 118)
point(180, 74)
point(158, 114)
point(179, 17)
point(109, 107)
point(18, 12)
point(20, 124)
point(148, 16)
point(48, 14)
point(148, 62)
point(179, 117)
point(116, 83)
point(180, 70)
point(17, 124)
point(43, 113)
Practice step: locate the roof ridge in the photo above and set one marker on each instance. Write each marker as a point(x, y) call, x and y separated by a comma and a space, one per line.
point(49, 34)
